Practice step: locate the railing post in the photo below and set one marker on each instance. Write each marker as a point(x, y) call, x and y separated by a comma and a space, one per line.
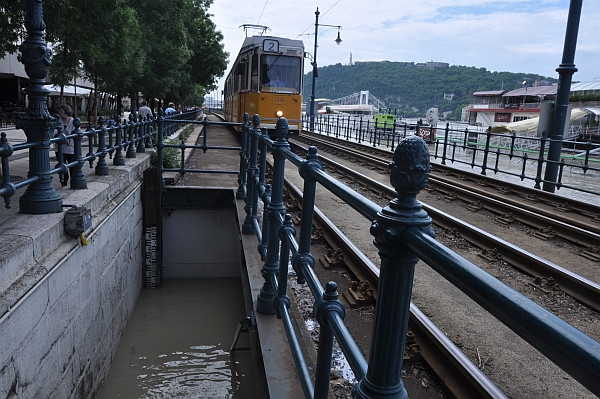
point(264, 302)
point(409, 173)
point(101, 165)
point(323, 306)
point(139, 128)
point(486, 150)
point(78, 180)
point(118, 159)
point(38, 125)
point(131, 138)
point(251, 195)
point(241, 191)
point(6, 151)
point(446, 136)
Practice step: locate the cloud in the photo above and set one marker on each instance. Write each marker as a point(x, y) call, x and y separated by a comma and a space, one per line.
point(513, 35)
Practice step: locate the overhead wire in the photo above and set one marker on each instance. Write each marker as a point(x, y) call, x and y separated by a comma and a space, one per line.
point(263, 11)
point(322, 14)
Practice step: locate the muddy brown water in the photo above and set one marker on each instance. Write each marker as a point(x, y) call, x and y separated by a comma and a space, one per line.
point(176, 344)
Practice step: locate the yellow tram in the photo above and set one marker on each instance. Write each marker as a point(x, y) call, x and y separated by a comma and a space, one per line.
point(266, 79)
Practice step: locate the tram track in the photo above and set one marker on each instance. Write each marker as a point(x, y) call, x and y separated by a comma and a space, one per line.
point(574, 221)
point(422, 343)
point(425, 341)
point(472, 349)
point(492, 248)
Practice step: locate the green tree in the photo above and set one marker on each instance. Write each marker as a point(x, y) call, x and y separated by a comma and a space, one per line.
point(166, 49)
point(184, 51)
point(12, 26)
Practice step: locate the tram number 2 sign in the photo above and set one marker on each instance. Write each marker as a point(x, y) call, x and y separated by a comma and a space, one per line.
point(270, 45)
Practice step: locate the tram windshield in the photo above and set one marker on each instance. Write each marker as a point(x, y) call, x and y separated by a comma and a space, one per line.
point(280, 73)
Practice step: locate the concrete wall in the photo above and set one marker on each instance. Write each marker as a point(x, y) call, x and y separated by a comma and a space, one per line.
point(63, 305)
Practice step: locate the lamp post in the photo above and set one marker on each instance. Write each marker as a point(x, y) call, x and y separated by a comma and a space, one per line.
point(314, 65)
point(560, 115)
point(38, 125)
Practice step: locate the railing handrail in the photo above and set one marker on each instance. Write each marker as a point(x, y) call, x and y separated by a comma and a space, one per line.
point(402, 232)
point(132, 135)
point(481, 149)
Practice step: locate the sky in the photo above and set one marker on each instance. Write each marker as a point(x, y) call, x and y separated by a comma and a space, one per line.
point(510, 35)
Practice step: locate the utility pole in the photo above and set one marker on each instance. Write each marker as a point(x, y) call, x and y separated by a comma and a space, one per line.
point(561, 108)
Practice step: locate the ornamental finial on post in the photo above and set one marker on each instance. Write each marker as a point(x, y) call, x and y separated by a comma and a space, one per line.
point(410, 168)
point(256, 121)
point(403, 218)
point(281, 129)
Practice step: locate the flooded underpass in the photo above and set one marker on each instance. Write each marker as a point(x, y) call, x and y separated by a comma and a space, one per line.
point(176, 344)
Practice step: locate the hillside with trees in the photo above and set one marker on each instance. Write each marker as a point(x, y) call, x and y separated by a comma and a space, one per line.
point(412, 89)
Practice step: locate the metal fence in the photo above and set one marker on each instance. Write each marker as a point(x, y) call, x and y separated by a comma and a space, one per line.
point(403, 234)
point(122, 139)
point(524, 156)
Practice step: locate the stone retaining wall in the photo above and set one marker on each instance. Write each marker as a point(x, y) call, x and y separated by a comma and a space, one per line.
point(64, 305)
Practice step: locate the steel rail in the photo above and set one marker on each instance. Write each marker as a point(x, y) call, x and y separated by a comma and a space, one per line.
point(580, 288)
point(583, 230)
point(457, 371)
point(590, 211)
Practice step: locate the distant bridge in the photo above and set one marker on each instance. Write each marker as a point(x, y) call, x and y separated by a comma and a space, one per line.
point(360, 98)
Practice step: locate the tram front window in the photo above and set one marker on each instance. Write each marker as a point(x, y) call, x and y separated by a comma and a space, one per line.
point(280, 74)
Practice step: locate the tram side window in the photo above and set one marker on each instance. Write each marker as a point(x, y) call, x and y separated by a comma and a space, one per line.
point(254, 73)
point(243, 75)
point(280, 73)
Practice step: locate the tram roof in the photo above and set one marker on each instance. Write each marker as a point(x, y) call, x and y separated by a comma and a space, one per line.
point(284, 42)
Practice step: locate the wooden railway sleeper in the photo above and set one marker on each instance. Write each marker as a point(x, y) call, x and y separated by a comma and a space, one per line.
point(544, 284)
point(505, 218)
point(475, 206)
point(545, 233)
point(412, 349)
point(563, 207)
point(449, 197)
point(591, 253)
point(491, 255)
point(504, 190)
point(316, 235)
point(532, 197)
point(359, 293)
point(333, 258)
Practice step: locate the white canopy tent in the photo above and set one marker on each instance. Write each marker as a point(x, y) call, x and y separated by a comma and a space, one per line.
point(68, 90)
point(528, 125)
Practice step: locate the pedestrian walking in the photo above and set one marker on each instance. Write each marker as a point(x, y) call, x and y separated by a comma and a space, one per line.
point(144, 112)
point(68, 148)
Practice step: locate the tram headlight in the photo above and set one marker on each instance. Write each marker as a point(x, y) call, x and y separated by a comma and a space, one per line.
point(279, 113)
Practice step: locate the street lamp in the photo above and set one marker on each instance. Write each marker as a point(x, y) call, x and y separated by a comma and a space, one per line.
point(314, 65)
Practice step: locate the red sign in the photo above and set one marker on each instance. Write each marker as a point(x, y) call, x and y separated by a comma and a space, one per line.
point(502, 117)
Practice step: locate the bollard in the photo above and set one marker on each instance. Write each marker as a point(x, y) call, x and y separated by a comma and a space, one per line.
point(409, 173)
